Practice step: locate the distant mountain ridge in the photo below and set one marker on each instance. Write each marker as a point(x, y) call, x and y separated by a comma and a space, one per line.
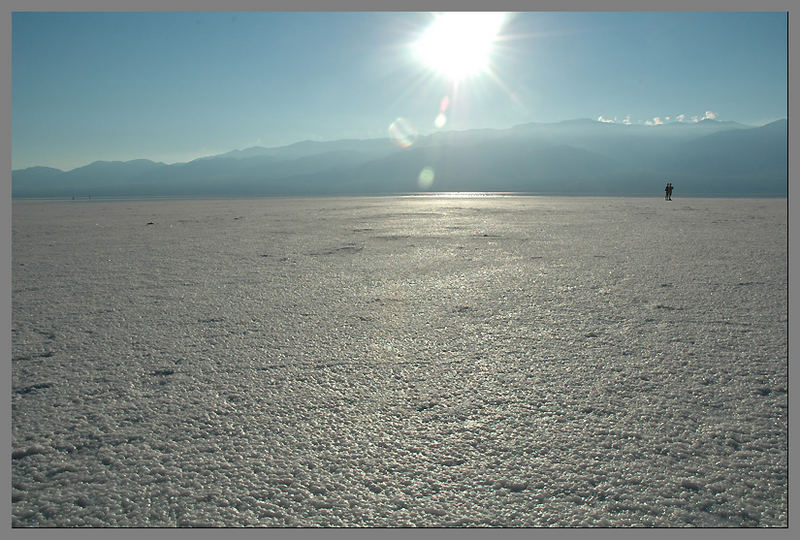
point(573, 157)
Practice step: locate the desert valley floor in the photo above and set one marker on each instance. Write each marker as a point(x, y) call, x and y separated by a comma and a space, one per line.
point(400, 361)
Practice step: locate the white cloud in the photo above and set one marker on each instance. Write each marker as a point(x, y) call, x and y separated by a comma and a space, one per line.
point(708, 115)
point(657, 121)
point(601, 118)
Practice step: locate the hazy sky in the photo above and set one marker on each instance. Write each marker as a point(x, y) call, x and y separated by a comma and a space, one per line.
point(175, 86)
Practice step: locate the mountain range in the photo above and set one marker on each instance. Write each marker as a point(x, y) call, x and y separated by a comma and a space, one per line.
point(576, 157)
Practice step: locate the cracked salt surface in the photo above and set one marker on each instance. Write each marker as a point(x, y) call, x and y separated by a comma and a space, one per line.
point(494, 361)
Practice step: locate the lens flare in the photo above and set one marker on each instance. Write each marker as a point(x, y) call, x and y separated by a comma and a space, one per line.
point(403, 134)
point(441, 118)
point(425, 179)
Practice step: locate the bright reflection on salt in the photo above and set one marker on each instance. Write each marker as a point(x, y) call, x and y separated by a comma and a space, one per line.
point(403, 133)
point(425, 179)
point(460, 194)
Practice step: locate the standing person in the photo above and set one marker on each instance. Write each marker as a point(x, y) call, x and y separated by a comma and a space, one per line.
point(666, 192)
point(669, 192)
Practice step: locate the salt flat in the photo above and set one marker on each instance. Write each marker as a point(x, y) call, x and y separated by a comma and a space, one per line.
point(405, 361)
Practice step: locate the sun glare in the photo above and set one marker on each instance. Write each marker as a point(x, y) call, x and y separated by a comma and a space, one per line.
point(459, 45)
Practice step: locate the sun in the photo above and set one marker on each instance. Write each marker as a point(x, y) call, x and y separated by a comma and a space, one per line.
point(459, 45)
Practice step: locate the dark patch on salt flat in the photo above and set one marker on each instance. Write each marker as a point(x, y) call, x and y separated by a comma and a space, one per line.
point(350, 248)
point(383, 301)
point(595, 410)
point(394, 237)
point(31, 388)
point(30, 451)
point(163, 372)
point(47, 335)
point(511, 485)
point(690, 484)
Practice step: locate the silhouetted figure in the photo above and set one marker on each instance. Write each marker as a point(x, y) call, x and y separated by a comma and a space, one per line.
point(666, 192)
point(669, 192)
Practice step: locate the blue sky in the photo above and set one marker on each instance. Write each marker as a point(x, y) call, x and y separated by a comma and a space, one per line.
point(175, 86)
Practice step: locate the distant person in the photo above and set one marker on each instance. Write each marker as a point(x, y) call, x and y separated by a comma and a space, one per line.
point(666, 192)
point(669, 191)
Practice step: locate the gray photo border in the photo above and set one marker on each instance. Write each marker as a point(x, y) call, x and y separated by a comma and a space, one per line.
point(363, 5)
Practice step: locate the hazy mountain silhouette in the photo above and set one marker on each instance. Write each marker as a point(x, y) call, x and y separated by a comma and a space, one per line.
point(752, 160)
point(571, 157)
point(36, 175)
